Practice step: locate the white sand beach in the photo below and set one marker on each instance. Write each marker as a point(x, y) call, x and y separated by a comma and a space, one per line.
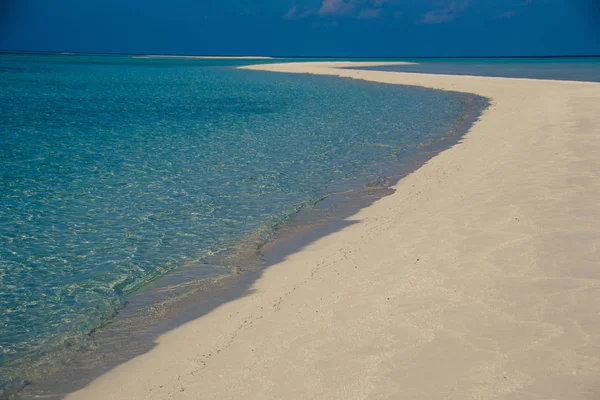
point(479, 278)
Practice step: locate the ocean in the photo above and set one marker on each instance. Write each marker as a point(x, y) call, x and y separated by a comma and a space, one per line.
point(585, 69)
point(117, 172)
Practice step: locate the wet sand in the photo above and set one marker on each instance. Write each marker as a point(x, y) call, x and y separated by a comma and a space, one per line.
point(477, 279)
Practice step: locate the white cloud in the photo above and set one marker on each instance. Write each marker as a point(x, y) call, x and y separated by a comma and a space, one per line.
point(360, 9)
point(291, 13)
point(445, 14)
point(337, 7)
point(298, 13)
point(368, 13)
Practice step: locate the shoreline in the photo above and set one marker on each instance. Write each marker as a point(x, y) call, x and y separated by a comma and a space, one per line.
point(328, 314)
point(187, 293)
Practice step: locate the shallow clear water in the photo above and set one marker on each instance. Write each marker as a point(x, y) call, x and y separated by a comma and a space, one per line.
point(566, 68)
point(115, 170)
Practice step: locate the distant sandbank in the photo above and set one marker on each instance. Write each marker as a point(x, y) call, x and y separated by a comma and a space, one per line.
point(209, 57)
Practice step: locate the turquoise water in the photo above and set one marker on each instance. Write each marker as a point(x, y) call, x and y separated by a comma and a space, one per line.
point(559, 68)
point(116, 170)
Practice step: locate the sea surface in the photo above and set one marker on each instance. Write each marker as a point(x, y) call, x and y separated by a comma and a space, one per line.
point(557, 68)
point(116, 170)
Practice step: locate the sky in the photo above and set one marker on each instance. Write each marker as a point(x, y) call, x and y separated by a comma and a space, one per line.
point(337, 28)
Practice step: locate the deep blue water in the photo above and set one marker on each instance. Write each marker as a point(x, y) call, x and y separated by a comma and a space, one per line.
point(568, 68)
point(115, 170)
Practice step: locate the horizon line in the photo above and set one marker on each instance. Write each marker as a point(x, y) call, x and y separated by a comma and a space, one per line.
point(286, 56)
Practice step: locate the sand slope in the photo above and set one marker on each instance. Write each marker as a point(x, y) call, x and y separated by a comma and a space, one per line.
point(477, 279)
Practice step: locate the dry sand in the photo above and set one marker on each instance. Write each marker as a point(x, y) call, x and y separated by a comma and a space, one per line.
point(477, 279)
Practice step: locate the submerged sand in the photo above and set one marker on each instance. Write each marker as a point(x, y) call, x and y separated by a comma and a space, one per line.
point(477, 279)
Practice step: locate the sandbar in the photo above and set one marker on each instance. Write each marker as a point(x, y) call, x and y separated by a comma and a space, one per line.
point(478, 278)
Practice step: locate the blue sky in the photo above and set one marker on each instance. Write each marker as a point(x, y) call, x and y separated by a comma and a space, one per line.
point(407, 28)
